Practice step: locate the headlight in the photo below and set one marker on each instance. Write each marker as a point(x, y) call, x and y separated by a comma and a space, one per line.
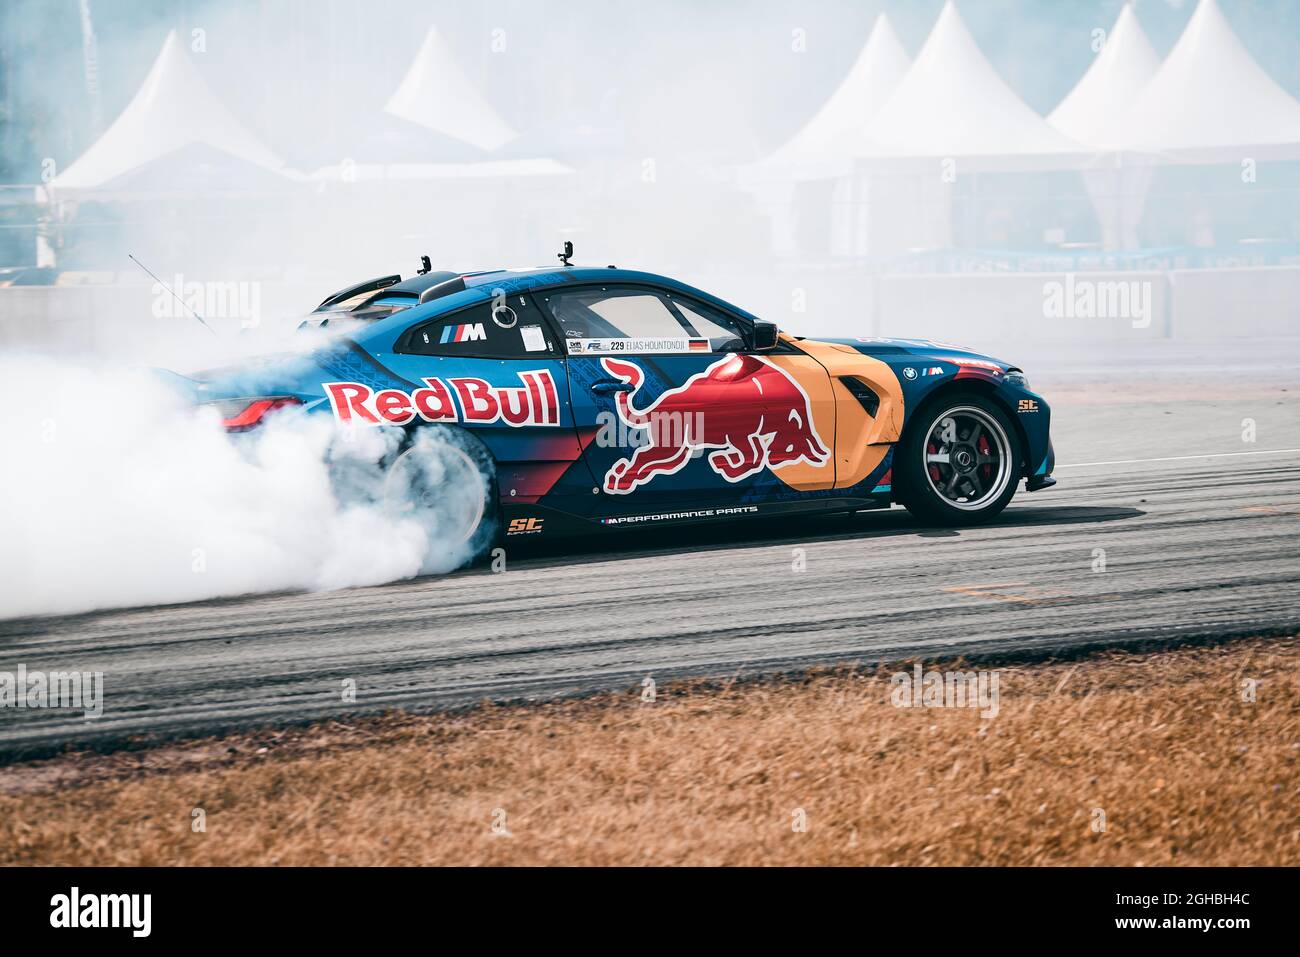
point(1016, 378)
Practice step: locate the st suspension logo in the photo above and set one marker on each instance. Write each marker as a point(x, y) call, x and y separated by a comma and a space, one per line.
point(477, 402)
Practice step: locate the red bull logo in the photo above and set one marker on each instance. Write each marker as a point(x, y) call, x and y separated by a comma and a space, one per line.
point(535, 402)
point(752, 414)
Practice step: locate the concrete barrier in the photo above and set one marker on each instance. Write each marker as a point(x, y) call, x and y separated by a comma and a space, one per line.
point(1185, 304)
point(1255, 301)
point(1026, 305)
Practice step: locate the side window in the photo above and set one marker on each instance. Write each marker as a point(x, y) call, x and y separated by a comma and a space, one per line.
point(723, 332)
point(608, 319)
point(514, 331)
point(604, 312)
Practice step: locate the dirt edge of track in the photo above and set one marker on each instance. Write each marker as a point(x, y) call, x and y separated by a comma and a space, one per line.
point(999, 656)
point(1119, 757)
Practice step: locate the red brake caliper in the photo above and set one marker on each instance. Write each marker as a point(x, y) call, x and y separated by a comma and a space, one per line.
point(931, 449)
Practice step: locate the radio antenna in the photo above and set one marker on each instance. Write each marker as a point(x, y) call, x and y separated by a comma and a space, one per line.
point(173, 292)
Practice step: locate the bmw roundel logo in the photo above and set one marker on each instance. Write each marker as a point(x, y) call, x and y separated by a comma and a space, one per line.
point(909, 373)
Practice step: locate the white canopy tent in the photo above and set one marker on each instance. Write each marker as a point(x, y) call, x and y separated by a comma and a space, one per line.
point(823, 147)
point(1209, 102)
point(430, 164)
point(436, 94)
point(1121, 70)
point(951, 115)
point(174, 109)
point(952, 104)
point(1114, 81)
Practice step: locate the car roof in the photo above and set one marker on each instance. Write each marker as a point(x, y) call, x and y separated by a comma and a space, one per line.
point(481, 285)
point(554, 276)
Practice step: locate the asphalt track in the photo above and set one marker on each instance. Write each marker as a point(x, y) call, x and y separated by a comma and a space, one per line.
point(1194, 547)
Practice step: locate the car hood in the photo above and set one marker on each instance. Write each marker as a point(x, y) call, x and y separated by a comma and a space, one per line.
point(902, 348)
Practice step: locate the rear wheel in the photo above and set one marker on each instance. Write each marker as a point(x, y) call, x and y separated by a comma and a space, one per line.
point(960, 461)
point(446, 481)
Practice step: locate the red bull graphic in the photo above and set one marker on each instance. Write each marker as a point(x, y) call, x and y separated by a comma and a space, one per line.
point(749, 411)
point(536, 402)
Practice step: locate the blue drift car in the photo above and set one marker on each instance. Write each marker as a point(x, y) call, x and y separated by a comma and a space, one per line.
point(586, 398)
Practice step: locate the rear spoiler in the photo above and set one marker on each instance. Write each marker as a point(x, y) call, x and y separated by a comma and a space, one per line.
point(370, 285)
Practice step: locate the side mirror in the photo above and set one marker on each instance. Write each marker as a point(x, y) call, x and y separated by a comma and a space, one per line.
point(764, 336)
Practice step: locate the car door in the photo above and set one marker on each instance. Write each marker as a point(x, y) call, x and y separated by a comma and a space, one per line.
point(674, 408)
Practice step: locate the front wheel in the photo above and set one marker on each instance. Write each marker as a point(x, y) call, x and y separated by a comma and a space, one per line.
point(960, 461)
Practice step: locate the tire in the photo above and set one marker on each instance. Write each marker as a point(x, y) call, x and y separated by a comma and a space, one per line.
point(960, 460)
point(445, 479)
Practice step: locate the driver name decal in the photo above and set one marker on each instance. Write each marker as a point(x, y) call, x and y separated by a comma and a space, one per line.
point(646, 345)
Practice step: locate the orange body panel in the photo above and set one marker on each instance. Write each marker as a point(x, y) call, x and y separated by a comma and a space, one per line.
point(860, 441)
point(812, 377)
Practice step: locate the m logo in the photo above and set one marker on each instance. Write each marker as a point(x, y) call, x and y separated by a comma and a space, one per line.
point(465, 332)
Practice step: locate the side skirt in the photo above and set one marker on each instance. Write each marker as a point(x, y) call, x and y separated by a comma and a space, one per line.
point(529, 520)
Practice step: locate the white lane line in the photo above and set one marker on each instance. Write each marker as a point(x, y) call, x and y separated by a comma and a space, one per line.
point(1178, 458)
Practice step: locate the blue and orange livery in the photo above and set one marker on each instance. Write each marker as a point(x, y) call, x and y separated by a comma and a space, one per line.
point(611, 397)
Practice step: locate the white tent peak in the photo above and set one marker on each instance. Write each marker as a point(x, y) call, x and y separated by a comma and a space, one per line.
point(174, 108)
point(952, 103)
point(436, 94)
point(827, 139)
point(1120, 71)
point(1209, 100)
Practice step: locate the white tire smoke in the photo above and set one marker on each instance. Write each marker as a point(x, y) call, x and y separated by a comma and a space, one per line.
point(116, 492)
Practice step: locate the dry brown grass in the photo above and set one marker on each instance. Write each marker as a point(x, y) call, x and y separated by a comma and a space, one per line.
point(1184, 769)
